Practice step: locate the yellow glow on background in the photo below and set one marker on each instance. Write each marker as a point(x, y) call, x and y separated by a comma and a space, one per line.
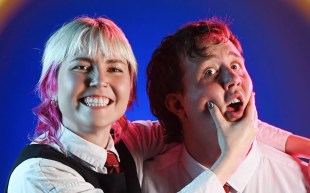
point(7, 10)
point(303, 6)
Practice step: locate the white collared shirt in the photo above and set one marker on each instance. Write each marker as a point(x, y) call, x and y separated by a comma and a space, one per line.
point(79, 148)
point(264, 170)
point(239, 179)
point(144, 139)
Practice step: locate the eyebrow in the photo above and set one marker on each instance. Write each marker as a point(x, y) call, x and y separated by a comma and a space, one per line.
point(117, 61)
point(234, 54)
point(109, 61)
point(231, 53)
point(83, 59)
point(113, 61)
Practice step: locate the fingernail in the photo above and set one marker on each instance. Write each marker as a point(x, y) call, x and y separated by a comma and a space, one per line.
point(210, 105)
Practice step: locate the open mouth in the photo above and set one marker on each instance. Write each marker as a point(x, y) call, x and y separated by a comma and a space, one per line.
point(235, 105)
point(96, 101)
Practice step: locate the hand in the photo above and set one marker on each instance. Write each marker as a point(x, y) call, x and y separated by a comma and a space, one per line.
point(235, 139)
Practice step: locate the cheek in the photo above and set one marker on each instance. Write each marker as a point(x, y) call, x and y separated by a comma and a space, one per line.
point(248, 85)
point(124, 88)
point(69, 87)
point(201, 95)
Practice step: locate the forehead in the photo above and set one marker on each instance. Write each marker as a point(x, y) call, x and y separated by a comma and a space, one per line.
point(210, 52)
point(222, 49)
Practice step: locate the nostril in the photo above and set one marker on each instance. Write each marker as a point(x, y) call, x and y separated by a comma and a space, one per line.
point(233, 82)
point(230, 85)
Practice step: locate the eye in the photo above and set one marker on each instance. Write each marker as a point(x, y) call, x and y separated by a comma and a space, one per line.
point(210, 72)
point(235, 66)
point(83, 68)
point(115, 69)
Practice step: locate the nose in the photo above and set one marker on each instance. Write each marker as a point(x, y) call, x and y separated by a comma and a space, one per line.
point(98, 79)
point(230, 79)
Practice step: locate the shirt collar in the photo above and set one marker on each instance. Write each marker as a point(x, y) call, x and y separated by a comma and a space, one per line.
point(192, 167)
point(92, 154)
point(239, 179)
point(246, 170)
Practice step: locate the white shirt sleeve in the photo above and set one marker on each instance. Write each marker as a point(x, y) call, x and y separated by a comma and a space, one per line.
point(272, 135)
point(206, 182)
point(48, 176)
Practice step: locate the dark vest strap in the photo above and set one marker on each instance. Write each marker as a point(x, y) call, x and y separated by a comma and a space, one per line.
point(125, 182)
point(128, 166)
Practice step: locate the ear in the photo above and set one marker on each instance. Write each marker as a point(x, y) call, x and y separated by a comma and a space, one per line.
point(174, 104)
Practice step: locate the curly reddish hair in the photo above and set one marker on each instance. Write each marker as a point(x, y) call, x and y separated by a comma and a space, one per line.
point(165, 72)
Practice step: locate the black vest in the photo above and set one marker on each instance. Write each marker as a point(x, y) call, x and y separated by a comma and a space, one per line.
point(124, 182)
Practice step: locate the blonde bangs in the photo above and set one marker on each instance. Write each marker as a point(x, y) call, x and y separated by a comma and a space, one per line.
point(88, 36)
point(103, 40)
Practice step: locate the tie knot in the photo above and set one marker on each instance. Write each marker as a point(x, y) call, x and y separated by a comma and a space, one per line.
point(112, 163)
point(226, 187)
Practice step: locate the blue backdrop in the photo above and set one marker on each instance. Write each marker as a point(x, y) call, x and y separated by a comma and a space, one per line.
point(274, 34)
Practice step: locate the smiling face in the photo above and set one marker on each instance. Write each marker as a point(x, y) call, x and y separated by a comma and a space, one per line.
point(221, 78)
point(93, 92)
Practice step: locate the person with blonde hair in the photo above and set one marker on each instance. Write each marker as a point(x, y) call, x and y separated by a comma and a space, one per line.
point(88, 81)
point(83, 141)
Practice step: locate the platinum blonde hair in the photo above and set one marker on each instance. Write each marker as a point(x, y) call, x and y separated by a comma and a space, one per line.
point(87, 35)
point(92, 36)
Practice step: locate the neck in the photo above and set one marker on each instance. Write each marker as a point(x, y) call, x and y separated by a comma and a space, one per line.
point(100, 138)
point(203, 148)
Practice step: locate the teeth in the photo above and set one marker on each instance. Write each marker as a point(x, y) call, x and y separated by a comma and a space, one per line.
point(96, 101)
point(235, 101)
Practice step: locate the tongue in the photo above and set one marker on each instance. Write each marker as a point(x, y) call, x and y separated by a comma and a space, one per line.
point(233, 107)
point(230, 109)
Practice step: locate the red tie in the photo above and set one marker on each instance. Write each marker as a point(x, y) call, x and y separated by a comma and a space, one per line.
point(112, 164)
point(226, 188)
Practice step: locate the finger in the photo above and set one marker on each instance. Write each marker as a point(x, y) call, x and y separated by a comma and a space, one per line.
point(250, 110)
point(255, 116)
point(216, 114)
